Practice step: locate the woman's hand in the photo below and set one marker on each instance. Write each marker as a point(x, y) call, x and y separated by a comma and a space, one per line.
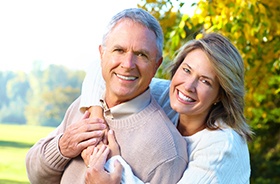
point(96, 172)
point(113, 147)
point(95, 158)
point(113, 144)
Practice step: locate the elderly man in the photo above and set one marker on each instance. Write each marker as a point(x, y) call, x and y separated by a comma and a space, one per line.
point(131, 52)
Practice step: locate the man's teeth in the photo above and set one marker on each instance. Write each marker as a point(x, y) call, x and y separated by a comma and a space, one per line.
point(185, 98)
point(125, 77)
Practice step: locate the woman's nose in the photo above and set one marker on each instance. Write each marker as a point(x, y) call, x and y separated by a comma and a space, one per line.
point(190, 85)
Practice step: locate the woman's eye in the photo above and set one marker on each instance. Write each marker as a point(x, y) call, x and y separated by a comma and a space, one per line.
point(206, 82)
point(186, 70)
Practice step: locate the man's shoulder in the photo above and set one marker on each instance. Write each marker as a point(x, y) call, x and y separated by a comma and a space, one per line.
point(163, 129)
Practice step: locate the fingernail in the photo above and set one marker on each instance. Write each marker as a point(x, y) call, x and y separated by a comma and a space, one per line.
point(94, 140)
point(100, 120)
point(99, 132)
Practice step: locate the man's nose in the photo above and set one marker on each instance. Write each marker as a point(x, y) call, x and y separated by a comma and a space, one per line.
point(128, 61)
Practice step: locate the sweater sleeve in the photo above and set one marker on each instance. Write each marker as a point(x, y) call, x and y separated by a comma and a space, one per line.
point(93, 86)
point(44, 162)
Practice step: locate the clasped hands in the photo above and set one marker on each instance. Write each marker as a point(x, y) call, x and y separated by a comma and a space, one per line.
point(90, 138)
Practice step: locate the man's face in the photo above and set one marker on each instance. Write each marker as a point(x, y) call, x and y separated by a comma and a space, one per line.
point(128, 61)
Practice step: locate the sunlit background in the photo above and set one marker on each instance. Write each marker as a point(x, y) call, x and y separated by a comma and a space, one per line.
point(54, 31)
point(63, 32)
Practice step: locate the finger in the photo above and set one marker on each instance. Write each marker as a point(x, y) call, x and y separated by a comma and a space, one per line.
point(90, 150)
point(93, 158)
point(111, 137)
point(118, 169)
point(84, 156)
point(103, 156)
point(95, 120)
point(88, 142)
point(101, 150)
point(113, 143)
point(86, 153)
point(86, 115)
point(86, 137)
point(100, 144)
point(88, 126)
point(99, 157)
point(105, 136)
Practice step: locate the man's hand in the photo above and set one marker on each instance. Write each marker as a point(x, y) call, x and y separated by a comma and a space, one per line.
point(96, 173)
point(78, 136)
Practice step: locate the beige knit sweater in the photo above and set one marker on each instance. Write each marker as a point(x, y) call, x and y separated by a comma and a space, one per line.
point(149, 142)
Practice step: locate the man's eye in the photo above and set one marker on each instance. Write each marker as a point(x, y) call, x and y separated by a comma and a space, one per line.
point(119, 50)
point(140, 54)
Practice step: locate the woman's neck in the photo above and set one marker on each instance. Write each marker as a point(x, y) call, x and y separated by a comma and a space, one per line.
point(188, 126)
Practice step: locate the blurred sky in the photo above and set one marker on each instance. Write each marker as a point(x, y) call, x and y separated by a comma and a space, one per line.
point(65, 32)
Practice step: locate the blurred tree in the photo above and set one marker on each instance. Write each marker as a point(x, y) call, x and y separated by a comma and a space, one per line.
point(56, 103)
point(34, 110)
point(4, 78)
point(52, 91)
point(14, 112)
point(254, 27)
point(18, 86)
point(63, 87)
point(16, 89)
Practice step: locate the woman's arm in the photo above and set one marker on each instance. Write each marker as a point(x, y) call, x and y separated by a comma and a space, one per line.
point(93, 88)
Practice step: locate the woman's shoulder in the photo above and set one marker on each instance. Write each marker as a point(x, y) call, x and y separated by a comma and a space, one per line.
point(224, 138)
point(159, 81)
point(159, 88)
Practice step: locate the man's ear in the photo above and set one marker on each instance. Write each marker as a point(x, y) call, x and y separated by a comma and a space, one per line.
point(101, 51)
point(158, 64)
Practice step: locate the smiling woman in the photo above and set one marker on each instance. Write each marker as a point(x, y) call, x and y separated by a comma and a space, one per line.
point(53, 32)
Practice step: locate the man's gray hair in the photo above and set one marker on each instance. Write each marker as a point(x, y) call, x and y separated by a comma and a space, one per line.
point(140, 16)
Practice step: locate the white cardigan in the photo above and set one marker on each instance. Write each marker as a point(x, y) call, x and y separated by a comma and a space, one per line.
point(219, 156)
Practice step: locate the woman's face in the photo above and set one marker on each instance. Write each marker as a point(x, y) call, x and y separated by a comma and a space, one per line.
point(195, 86)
